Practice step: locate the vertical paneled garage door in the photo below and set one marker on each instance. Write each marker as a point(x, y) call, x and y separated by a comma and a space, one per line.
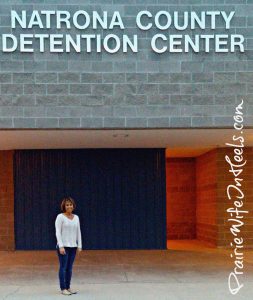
point(120, 195)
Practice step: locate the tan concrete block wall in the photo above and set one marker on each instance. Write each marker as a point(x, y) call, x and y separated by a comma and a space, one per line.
point(224, 179)
point(7, 241)
point(206, 197)
point(181, 195)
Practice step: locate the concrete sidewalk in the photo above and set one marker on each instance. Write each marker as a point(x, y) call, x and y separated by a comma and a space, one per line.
point(186, 272)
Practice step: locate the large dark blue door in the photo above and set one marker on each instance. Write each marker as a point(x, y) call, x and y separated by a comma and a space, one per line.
point(120, 195)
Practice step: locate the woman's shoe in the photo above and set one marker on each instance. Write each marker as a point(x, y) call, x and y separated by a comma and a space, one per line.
point(72, 291)
point(66, 292)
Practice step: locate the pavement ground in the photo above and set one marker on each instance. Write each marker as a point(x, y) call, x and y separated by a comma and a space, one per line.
point(187, 270)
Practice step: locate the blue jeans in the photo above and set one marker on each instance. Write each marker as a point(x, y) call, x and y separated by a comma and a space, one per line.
point(66, 262)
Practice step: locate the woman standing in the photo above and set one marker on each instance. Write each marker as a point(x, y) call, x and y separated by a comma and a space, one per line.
point(68, 234)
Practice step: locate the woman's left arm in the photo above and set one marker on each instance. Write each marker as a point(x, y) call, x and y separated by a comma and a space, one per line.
point(79, 236)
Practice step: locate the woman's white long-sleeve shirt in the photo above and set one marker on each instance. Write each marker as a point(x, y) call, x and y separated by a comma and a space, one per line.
point(68, 232)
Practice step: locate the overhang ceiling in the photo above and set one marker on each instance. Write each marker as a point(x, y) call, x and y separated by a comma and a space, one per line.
point(178, 142)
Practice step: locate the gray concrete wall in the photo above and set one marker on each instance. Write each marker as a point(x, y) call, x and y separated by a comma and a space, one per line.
point(139, 90)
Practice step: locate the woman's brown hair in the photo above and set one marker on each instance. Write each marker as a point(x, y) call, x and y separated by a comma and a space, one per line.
point(64, 201)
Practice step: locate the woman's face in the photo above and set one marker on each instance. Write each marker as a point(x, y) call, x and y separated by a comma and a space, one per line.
point(69, 207)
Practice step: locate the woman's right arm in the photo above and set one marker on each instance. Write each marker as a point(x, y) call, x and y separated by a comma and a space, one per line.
point(58, 227)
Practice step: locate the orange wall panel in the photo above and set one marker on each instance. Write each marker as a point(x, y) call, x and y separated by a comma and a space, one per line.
point(6, 201)
point(181, 206)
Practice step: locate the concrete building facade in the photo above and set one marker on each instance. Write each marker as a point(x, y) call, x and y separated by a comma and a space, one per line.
point(127, 90)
